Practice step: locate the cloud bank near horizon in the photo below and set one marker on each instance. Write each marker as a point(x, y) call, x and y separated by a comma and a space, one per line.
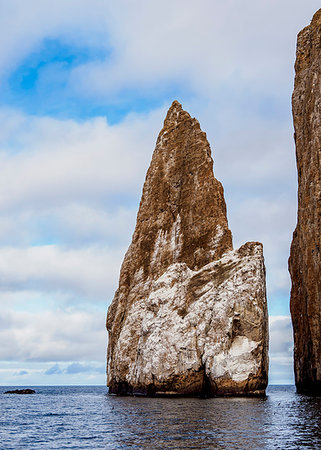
point(44, 347)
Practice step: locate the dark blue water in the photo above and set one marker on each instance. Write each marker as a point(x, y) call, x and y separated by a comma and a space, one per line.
point(85, 417)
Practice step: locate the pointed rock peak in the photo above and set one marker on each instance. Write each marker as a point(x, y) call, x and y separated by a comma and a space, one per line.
point(175, 115)
point(182, 215)
point(316, 19)
point(176, 106)
point(308, 46)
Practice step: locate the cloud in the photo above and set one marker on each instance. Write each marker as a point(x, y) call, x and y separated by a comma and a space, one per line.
point(75, 368)
point(70, 226)
point(15, 373)
point(71, 185)
point(89, 272)
point(203, 56)
point(53, 336)
point(270, 219)
point(281, 350)
point(150, 47)
point(24, 27)
point(281, 335)
point(79, 225)
point(61, 162)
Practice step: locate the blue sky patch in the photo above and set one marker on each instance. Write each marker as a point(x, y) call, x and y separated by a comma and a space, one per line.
point(40, 85)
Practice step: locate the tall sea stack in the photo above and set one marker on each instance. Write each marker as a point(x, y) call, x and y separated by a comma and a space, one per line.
point(189, 316)
point(305, 257)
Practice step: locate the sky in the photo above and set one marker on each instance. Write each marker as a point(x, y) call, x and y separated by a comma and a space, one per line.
point(84, 89)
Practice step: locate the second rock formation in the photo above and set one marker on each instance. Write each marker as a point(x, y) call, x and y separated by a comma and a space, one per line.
point(305, 258)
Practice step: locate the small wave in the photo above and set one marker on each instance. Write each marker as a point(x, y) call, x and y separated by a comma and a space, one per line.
point(87, 438)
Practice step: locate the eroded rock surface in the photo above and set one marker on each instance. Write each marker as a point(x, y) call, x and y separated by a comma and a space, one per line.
point(305, 258)
point(190, 315)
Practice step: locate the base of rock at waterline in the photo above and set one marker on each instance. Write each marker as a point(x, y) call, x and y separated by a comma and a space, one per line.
point(310, 388)
point(209, 391)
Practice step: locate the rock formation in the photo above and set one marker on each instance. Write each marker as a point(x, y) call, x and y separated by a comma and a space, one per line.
point(189, 316)
point(21, 391)
point(305, 257)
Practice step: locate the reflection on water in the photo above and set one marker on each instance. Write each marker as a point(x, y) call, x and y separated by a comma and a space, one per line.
point(282, 420)
point(293, 419)
point(85, 417)
point(191, 423)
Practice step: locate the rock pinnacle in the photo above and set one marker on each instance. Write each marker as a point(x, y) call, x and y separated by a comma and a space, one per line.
point(305, 257)
point(189, 316)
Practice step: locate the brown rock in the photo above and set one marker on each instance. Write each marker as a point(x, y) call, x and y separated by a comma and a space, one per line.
point(305, 257)
point(189, 316)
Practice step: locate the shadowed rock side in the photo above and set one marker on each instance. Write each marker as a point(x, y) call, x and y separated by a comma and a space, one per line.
point(305, 257)
point(189, 316)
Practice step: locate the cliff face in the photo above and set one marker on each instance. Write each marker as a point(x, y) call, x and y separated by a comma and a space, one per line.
point(189, 316)
point(305, 257)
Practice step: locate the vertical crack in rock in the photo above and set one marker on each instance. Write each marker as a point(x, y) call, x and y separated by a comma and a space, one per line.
point(189, 316)
point(305, 256)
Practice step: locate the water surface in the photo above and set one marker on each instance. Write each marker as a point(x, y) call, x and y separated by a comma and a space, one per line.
point(85, 417)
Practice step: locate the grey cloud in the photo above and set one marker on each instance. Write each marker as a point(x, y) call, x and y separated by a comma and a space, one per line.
point(281, 350)
point(281, 336)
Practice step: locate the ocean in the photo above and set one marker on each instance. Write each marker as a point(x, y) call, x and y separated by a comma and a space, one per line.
point(77, 417)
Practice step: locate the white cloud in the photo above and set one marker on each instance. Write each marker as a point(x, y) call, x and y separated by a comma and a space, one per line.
point(25, 25)
point(268, 218)
point(64, 161)
point(53, 336)
point(72, 225)
point(90, 272)
point(80, 224)
point(281, 350)
point(281, 335)
point(205, 44)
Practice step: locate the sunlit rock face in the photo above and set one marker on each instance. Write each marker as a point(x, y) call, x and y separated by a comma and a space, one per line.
point(305, 257)
point(189, 316)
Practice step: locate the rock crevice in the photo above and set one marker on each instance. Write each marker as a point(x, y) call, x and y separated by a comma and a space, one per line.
point(190, 315)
